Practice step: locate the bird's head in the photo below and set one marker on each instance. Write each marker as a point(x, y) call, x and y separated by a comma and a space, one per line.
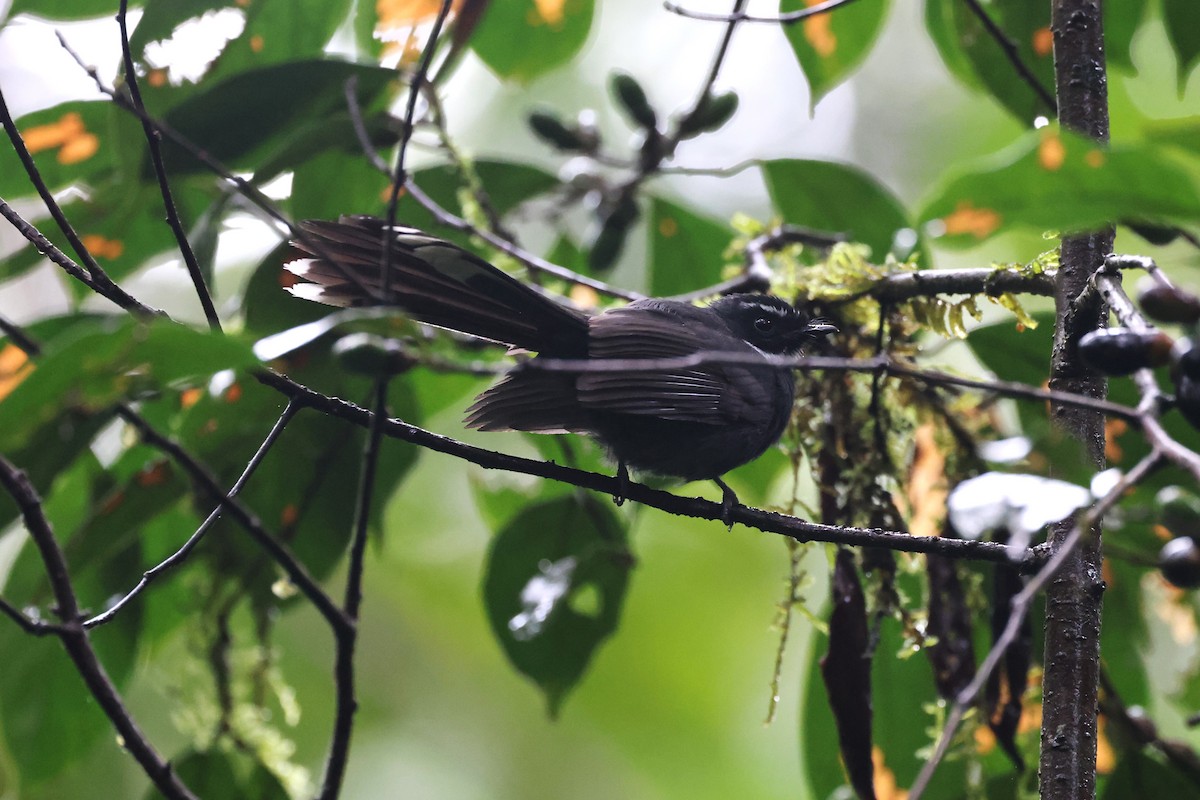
point(770, 324)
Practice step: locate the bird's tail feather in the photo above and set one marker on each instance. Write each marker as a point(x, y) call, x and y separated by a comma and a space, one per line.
point(432, 280)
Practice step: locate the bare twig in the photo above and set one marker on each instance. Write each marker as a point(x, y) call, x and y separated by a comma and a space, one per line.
point(25, 622)
point(741, 16)
point(76, 641)
point(530, 260)
point(767, 521)
point(153, 141)
point(102, 286)
point(293, 567)
point(879, 364)
point(179, 556)
point(244, 187)
point(345, 701)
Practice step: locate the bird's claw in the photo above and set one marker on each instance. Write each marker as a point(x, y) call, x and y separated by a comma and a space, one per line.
point(622, 484)
point(729, 502)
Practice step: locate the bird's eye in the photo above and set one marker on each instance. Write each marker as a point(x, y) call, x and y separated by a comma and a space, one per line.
point(764, 324)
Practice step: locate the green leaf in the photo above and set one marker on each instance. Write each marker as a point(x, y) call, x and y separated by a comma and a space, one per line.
point(836, 198)
point(295, 108)
point(1053, 180)
point(121, 225)
point(1121, 22)
point(975, 57)
point(1124, 639)
point(1182, 18)
point(336, 183)
point(214, 773)
point(902, 688)
point(64, 9)
point(1182, 133)
point(50, 719)
point(160, 18)
point(71, 142)
point(686, 249)
point(830, 46)
point(1140, 775)
point(110, 361)
point(520, 41)
point(556, 577)
point(275, 33)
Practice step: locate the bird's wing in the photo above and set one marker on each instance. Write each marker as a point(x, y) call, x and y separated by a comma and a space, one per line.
point(650, 330)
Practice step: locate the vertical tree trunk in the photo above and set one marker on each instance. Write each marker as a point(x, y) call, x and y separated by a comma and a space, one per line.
point(1073, 597)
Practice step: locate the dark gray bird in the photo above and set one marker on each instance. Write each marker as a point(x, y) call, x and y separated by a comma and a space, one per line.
point(695, 423)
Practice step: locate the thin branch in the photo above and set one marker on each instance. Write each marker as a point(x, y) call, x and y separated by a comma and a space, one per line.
point(35, 178)
point(76, 641)
point(346, 703)
point(981, 280)
point(741, 16)
point(1013, 54)
point(244, 187)
point(30, 625)
point(767, 521)
point(17, 336)
point(154, 141)
point(533, 262)
point(101, 284)
point(879, 364)
point(293, 567)
point(1021, 604)
point(179, 556)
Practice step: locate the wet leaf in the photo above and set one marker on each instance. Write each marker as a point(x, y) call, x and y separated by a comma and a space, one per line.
point(555, 581)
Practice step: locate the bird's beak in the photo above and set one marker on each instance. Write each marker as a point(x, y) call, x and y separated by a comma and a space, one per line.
point(820, 327)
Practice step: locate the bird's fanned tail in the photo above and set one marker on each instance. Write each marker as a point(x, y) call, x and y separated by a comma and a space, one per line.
point(432, 280)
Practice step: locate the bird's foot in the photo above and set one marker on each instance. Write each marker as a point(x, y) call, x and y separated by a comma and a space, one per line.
point(729, 502)
point(622, 484)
